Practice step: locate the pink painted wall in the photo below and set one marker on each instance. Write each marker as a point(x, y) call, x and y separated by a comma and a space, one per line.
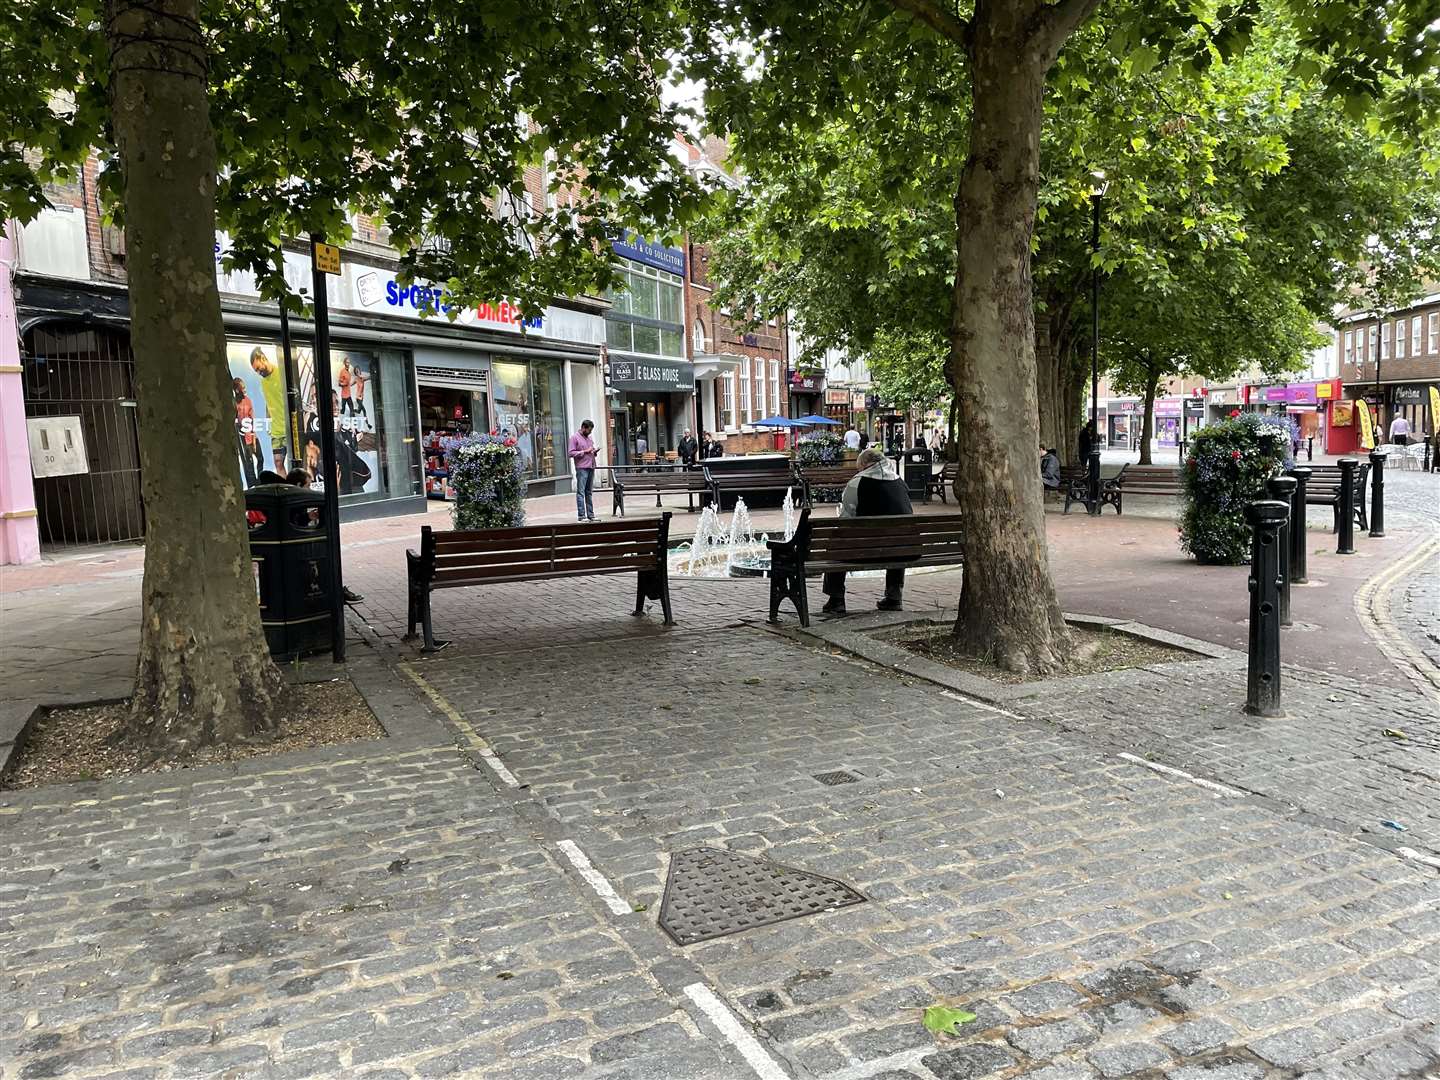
point(19, 528)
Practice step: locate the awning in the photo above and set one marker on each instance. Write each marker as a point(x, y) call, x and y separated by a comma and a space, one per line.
point(711, 365)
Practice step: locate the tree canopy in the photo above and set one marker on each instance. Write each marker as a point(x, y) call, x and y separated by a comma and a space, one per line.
point(422, 114)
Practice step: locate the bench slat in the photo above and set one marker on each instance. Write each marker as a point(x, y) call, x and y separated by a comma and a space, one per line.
point(540, 555)
point(454, 579)
point(606, 531)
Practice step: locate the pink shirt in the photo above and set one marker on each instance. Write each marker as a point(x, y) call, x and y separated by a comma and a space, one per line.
point(582, 451)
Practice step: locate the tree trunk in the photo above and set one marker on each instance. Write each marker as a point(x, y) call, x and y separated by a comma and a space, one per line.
point(1008, 608)
point(1147, 426)
point(204, 674)
point(1071, 395)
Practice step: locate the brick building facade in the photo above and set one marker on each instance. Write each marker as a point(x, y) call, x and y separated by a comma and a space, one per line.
point(1392, 362)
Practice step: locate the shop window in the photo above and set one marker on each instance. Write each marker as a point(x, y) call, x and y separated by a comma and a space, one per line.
point(617, 335)
point(672, 343)
point(647, 339)
point(548, 385)
point(376, 445)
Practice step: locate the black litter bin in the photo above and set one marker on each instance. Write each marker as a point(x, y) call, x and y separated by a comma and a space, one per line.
point(916, 470)
point(290, 550)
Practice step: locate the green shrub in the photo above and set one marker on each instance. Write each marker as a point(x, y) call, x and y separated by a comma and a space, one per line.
point(1227, 467)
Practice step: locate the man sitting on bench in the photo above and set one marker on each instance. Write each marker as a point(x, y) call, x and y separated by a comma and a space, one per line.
point(876, 489)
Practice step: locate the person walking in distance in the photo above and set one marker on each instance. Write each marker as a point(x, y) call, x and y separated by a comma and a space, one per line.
point(876, 489)
point(1400, 430)
point(582, 454)
point(852, 438)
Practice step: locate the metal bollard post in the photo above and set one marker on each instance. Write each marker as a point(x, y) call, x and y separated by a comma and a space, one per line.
point(1310, 448)
point(1425, 466)
point(1262, 680)
point(1377, 494)
point(1282, 489)
point(1298, 554)
point(1345, 542)
point(1094, 478)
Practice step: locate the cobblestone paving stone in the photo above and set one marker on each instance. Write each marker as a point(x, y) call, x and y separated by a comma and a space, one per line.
point(355, 914)
point(1100, 919)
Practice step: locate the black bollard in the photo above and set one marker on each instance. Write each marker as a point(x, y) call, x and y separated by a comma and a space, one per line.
point(1310, 448)
point(1282, 489)
point(1426, 466)
point(1262, 680)
point(1377, 494)
point(1297, 526)
point(1345, 543)
point(1094, 478)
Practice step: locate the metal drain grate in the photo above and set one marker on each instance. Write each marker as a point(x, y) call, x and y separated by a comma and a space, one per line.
point(710, 893)
point(839, 776)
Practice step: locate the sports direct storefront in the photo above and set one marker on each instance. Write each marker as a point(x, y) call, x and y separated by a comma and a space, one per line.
point(411, 369)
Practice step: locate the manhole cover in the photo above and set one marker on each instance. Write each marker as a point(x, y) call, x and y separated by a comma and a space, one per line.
point(839, 776)
point(710, 893)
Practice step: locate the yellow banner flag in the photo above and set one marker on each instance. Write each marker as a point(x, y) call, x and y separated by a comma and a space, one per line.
point(1435, 410)
point(1367, 428)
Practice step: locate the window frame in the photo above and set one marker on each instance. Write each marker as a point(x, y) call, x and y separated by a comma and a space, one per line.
point(1401, 327)
point(1435, 332)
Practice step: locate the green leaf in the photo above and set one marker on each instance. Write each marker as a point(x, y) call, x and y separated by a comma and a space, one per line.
point(943, 1020)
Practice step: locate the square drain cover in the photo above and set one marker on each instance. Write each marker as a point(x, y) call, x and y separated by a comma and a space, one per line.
point(839, 776)
point(711, 892)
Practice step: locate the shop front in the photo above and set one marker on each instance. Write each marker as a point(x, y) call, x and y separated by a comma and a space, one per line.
point(652, 403)
point(807, 393)
point(837, 406)
point(1121, 421)
point(1413, 402)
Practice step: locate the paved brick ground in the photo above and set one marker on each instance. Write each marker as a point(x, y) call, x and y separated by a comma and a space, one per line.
point(1100, 919)
point(390, 909)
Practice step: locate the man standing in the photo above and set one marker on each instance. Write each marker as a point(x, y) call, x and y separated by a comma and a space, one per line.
point(688, 448)
point(582, 453)
point(876, 489)
point(642, 445)
point(1400, 430)
point(852, 438)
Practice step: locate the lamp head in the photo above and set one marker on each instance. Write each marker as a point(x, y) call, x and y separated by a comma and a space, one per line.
point(1099, 184)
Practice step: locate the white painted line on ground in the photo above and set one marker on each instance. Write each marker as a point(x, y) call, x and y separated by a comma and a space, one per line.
point(1208, 785)
point(755, 1055)
point(1372, 606)
point(594, 878)
point(479, 745)
point(953, 696)
point(1420, 857)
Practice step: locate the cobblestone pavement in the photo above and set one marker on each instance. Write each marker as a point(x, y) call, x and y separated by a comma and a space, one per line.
point(422, 905)
point(1099, 918)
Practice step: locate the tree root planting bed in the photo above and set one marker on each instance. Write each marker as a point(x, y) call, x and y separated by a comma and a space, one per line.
point(67, 745)
point(1096, 651)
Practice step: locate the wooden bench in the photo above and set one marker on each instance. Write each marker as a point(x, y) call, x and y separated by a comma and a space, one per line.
point(821, 546)
point(457, 560)
point(1159, 480)
point(737, 483)
point(1075, 483)
point(826, 483)
point(1323, 489)
point(943, 482)
point(687, 482)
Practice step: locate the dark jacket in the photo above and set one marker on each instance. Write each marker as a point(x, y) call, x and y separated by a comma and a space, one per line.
point(688, 449)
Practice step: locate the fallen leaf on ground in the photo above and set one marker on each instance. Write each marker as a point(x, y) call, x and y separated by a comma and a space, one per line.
point(1394, 733)
point(942, 1019)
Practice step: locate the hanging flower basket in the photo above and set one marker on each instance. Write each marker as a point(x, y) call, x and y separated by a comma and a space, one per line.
point(1227, 467)
point(488, 481)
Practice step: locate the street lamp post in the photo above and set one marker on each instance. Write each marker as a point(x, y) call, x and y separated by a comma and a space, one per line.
point(1093, 465)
